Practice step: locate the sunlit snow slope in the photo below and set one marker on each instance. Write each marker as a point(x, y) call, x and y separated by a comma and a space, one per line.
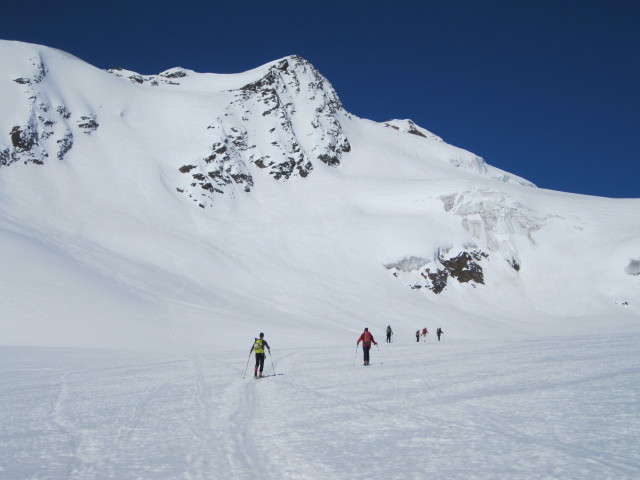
point(184, 210)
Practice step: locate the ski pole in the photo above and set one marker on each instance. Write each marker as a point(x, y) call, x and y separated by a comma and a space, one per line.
point(245, 368)
point(355, 355)
point(271, 358)
point(381, 362)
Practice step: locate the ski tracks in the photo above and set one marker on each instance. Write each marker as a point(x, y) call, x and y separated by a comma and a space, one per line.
point(199, 462)
point(251, 439)
point(226, 427)
point(243, 453)
point(85, 459)
point(100, 445)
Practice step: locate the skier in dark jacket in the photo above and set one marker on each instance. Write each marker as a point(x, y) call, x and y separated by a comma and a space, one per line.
point(417, 335)
point(389, 333)
point(439, 332)
point(366, 338)
point(258, 347)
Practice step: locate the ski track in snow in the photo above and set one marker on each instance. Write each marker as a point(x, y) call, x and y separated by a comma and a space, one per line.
point(551, 409)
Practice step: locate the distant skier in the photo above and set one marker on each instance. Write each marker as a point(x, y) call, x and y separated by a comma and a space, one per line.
point(258, 347)
point(425, 332)
point(389, 333)
point(366, 338)
point(439, 332)
point(417, 335)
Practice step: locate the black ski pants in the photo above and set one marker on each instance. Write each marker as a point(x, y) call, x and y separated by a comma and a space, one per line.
point(260, 361)
point(365, 350)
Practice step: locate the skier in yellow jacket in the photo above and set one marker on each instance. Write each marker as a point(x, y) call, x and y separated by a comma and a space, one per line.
point(258, 346)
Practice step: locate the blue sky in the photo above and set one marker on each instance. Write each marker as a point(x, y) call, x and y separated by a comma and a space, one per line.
point(548, 90)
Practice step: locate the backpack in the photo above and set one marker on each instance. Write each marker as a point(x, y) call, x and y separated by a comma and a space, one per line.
point(258, 346)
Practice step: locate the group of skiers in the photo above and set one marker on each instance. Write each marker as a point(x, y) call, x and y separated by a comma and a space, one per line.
point(424, 333)
point(366, 338)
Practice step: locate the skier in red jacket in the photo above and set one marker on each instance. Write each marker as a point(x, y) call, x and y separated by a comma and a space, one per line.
point(366, 338)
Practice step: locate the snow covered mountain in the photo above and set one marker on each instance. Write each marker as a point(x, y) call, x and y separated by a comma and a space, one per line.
point(185, 209)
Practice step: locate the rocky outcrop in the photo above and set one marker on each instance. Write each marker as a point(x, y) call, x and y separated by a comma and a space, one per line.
point(302, 112)
point(282, 124)
point(291, 106)
point(42, 132)
point(492, 220)
point(168, 77)
point(434, 274)
point(409, 126)
point(46, 129)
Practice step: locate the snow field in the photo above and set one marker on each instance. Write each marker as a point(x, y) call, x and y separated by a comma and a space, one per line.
point(558, 408)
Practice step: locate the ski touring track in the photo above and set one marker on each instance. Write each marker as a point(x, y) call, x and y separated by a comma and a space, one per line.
point(561, 409)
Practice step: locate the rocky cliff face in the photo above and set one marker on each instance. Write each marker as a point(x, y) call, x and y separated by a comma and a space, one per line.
point(284, 124)
point(435, 274)
point(45, 128)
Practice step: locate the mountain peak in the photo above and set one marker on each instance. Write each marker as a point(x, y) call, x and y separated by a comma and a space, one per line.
point(300, 76)
point(283, 123)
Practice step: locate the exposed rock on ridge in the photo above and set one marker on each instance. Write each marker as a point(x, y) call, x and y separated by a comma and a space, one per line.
point(168, 77)
point(294, 108)
point(434, 274)
point(409, 126)
point(46, 127)
point(285, 124)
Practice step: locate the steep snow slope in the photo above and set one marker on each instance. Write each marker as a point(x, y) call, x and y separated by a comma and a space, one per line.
point(181, 209)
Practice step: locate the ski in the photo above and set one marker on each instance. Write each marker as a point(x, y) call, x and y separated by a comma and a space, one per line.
point(266, 376)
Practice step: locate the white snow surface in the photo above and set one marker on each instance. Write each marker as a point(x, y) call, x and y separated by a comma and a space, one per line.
point(556, 408)
point(127, 311)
